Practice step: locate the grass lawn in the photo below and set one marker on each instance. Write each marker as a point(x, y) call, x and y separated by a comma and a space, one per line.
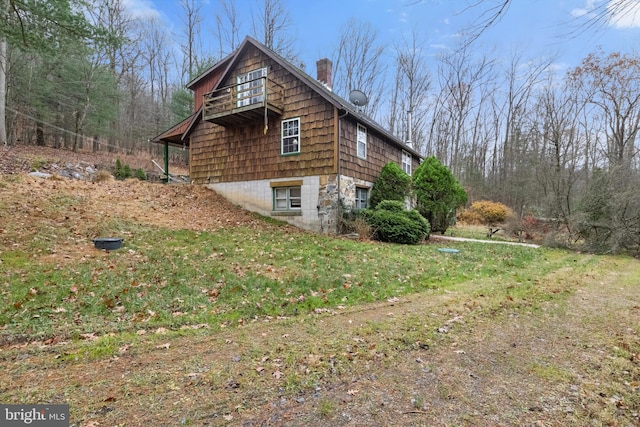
point(253, 321)
point(176, 278)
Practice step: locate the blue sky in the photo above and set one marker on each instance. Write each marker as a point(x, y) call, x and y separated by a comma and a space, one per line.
point(535, 27)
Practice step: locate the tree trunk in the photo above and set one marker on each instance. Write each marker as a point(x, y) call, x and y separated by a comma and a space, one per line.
point(39, 135)
point(3, 85)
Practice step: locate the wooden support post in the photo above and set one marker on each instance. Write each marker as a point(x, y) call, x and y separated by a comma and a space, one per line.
point(166, 161)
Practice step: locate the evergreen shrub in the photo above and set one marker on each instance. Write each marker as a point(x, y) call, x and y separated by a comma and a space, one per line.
point(391, 222)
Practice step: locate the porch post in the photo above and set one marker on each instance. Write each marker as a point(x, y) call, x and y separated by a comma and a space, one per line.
point(166, 161)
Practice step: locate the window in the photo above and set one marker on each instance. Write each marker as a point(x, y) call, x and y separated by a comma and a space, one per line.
point(291, 136)
point(362, 197)
point(287, 198)
point(406, 162)
point(251, 87)
point(362, 141)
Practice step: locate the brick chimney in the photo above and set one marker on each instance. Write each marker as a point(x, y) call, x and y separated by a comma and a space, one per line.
point(323, 68)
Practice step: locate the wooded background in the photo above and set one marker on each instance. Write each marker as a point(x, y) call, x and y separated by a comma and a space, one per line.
point(89, 75)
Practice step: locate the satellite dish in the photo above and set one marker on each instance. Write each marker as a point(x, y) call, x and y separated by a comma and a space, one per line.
point(358, 98)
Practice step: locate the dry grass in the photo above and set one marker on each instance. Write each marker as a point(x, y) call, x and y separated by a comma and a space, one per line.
point(25, 158)
point(458, 357)
point(558, 345)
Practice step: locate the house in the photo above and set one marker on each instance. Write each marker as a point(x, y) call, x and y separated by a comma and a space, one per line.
point(276, 141)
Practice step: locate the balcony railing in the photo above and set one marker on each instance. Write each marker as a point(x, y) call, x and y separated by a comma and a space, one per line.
point(243, 102)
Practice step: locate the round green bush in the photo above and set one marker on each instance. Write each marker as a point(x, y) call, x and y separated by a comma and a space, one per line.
point(391, 222)
point(415, 216)
point(391, 205)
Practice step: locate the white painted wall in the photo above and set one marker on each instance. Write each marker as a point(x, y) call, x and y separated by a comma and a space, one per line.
point(257, 196)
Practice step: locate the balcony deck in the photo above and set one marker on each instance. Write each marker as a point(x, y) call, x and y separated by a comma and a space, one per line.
point(243, 103)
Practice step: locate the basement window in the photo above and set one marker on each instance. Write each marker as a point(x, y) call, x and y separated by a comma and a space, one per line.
point(362, 197)
point(287, 199)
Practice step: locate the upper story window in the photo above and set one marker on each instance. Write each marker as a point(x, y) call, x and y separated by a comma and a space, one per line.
point(251, 87)
point(406, 162)
point(362, 141)
point(291, 136)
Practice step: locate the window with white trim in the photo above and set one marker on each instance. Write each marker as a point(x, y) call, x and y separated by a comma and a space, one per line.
point(251, 87)
point(406, 162)
point(290, 136)
point(287, 198)
point(362, 141)
point(362, 197)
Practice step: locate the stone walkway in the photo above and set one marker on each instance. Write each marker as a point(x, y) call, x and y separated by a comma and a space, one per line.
point(463, 239)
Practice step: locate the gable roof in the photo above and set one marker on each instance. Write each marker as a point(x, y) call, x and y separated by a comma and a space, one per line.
point(177, 134)
point(340, 103)
point(213, 68)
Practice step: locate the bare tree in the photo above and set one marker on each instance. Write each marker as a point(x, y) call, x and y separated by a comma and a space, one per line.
point(459, 81)
point(602, 13)
point(227, 30)
point(359, 64)
point(157, 57)
point(522, 78)
point(488, 17)
point(3, 85)
point(611, 84)
point(191, 43)
point(271, 24)
point(559, 159)
point(410, 93)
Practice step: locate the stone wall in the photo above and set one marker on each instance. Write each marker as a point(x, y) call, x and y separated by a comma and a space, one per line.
point(330, 206)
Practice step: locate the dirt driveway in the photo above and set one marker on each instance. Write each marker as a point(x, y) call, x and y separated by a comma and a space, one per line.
point(518, 369)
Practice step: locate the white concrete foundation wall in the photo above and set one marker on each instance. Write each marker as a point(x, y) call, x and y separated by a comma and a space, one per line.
point(257, 196)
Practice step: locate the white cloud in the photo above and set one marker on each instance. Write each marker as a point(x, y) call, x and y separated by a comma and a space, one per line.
point(624, 13)
point(142, 9)
point(619, 14)
point(583, 11)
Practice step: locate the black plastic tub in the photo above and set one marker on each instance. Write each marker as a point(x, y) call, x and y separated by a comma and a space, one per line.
point(108, 243)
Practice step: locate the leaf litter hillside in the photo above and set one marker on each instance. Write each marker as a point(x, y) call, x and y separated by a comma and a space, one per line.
point(225, 319)
point(68, 214)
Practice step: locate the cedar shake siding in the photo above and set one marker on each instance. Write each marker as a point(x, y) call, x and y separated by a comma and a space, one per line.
point(245, 152)
point(235, 140)
point(379, 152)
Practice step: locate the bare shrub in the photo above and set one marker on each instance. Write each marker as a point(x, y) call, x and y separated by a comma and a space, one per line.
point(361, 228)
point(103, 176)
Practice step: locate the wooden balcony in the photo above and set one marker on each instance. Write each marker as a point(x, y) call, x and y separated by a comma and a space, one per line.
point(243, 103)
